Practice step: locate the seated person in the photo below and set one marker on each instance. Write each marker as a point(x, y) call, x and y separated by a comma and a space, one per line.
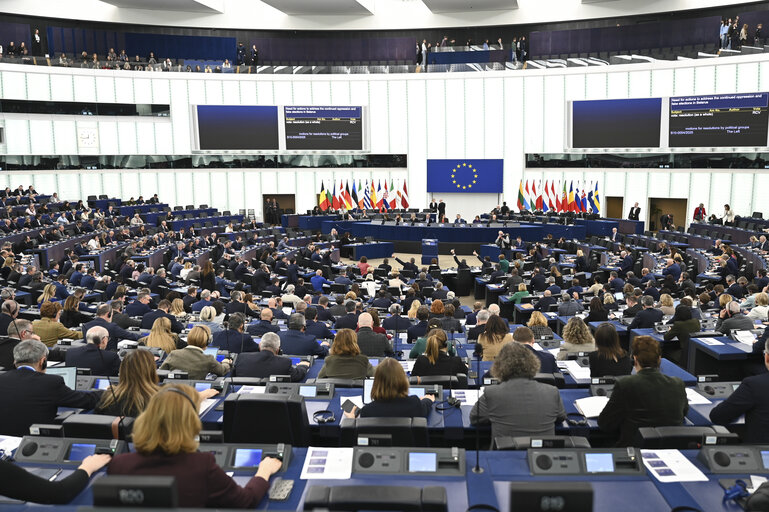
point(596, 313)
point(538, 325)
point(525, 336)
point(421, 343)
point(750, 399)
point(609, 358)
point(268, 361)
point(494, 337)
point(193, 359)
point(344, 360)
point(390, 395)
point(93, 355)
point(518, 405)
point(436, 359)
point(138, 382)
point(165, 440)
point(730, 318)
point(49, 328)
point(576, 338)
point(647, 399)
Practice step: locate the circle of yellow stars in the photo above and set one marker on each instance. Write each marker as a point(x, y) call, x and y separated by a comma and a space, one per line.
point(469, 185)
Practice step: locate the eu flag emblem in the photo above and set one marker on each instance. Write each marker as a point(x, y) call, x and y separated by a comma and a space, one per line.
point(465, 176)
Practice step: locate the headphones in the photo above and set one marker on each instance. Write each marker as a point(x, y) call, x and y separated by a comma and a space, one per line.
point(185, 395)
point(324, 416)
point(575, 419)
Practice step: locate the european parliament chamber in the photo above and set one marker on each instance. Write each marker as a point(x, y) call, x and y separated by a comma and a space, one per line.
point(424, 255)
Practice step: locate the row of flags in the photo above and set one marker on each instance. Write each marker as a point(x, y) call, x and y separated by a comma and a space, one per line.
point(363, 196)
point(552, 197)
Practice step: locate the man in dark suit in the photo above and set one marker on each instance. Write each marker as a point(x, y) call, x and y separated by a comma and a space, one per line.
point(410, 265)
point(233, 339)
point(324, 314)
point(441, 209)
point(382, 301)
point(350, 319)
point(633, 307)
point(420, 329)
point(148, 320)
point(140, 306)
point(372, 344)
point(731, 318)
point(116, 333)
point(236, 305)
point(626, 265)
point(312, 326)
point(338, 308)
point(93, 354)
point(342, 278)
point(733, 288)
point(538, 281)
point(545, 302)
point(647, 399)
point(18, 330)
point(296, 342)
point(440, 293)
point(634, 212)
point(525, 336)
point(750, 399)
point(672, 269)
point(121, 319)
point(268, 362)
point(480, 326)
point(190, 298)
point(648, 316)
point(28, 395)
point(264, 325)
point(395, 322)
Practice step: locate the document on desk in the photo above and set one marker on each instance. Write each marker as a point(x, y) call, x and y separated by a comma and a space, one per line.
point(408, 365)
point(745, 347)
point(574, 369)
point(671, 466)
point(9, 443)
point(252, 389)
point(695, 398)
point(467, 396)
point(591, 406)
point(206, 404)
point(745, 337)
point(327, 464)
point(710, 341)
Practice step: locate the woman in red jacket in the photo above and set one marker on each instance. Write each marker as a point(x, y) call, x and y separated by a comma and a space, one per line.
point(165, 441)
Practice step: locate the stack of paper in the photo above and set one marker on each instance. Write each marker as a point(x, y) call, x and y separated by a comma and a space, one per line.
point(710, 341)
point(575, 370)
point(206, 404)
point(695, 398)
point(671, 466)
point(251, 389)
point(591, 406)
point(467, 396)
point(327, 464)
point(407, 365)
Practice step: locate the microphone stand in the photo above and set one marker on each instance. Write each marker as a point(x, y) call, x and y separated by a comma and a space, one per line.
point(478, 353)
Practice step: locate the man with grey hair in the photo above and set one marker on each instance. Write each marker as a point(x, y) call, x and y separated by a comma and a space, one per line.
point(518, 405)
point(395, 322)
point(140, 306)
point(731, 319)
point(233, 339)
point(648, 316)
point(298, 343)
point(371, 343)
point(290, 298)
point(569, 307)
point(93, 354)
point(480, 324)
point(18, 330)
point(205, 300)
point(28, 395)
point(8, 312)
point(268, 362)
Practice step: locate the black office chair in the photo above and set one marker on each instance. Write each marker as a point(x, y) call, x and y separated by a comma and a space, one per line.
point(121, 491)
point(98, 426)
point(384, 431)
point(458, 381)
point(376, 497)
point(339, 383)
point(270, 418)
point(683, 437)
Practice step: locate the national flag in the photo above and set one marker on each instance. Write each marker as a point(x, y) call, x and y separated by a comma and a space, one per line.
point(577, 203)
point(572, 206)
point(340, 193)
point(405, 197)
point(373, 196)
point(322, 199)
point(596, 200)
point(590, 199)
point(379, 201)
point(385, 197)
point(354, 195)
point(584, 199)
point(393, 195)
point(537, 200)
point(360, 194)
point(552, 198)
point(545, 207)
point(367, 197)
point(399, 196)
point(527, 197)
point(335, 201)
point(347, 196)
point(564, 199)
point(521, 199)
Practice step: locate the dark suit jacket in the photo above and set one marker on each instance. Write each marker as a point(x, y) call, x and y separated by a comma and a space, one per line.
point(416, 331)
point(136, 308)
point(373, 344)
point(264, 364)
point(30, 397)
point(116, 333)
point(261, 327)
point(149, 318)
point(646, 318)
point(546, 361)
point(125, 321)
point(396, 323)
point(6, 351)
point(297, 343)
point(348, 321)
point(319, 330)
point(749, 399)
point(200, 481)
point(106, 363)
point(231, 340)
point(646, 399)
point(538, 283)
point(475, 331)
point(406, 407)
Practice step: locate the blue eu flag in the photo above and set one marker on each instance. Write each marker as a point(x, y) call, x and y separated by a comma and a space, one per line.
point(465, 176)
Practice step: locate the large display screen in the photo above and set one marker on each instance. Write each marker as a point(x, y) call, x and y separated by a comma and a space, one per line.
point(633, 123)
point(724, 120)
point(237, 127)
point(323, 128)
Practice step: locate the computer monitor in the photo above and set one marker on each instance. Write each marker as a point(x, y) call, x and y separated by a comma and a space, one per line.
point(68, 373)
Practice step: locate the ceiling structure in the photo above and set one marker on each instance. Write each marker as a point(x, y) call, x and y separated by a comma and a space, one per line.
point(323, 7)
point(209, 6)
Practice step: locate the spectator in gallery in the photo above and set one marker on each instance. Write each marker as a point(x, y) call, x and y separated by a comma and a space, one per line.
point(757, 39)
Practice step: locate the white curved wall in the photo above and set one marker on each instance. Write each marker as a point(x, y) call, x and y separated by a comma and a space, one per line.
point(388, 14)
point(471, 115)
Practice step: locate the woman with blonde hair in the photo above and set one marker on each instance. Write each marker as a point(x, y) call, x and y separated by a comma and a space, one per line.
point(160, 336)
point(186, 270)
point(7, 267)
point(138, 382)
point(576, 338)
point(522, 292)
point(761, 309)
point(609, 303)
point(165, 440)
point(49, 292)
point(71, 316)
point(344, 360)
point(412, 313)
point(538, 325)
point(177, 309)
point(193, 358)
point(666, 305)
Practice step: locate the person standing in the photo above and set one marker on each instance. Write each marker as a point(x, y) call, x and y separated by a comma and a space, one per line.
point(37, 44)
point(441, 209)
point(699, 213)
point(254, 55)
point(634, 212)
